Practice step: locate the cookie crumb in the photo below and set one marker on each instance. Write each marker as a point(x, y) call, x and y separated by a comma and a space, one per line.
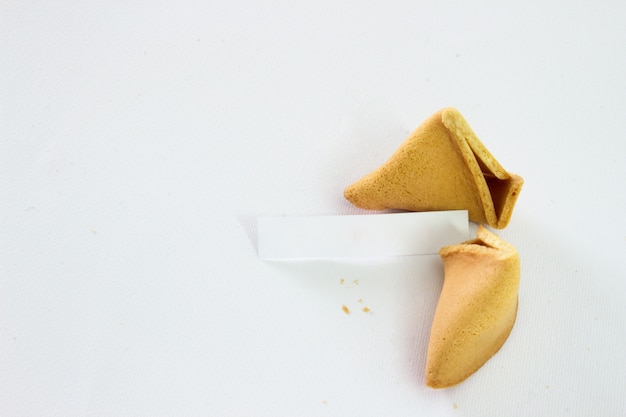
point(345, 309)
point(341, 281)
point(366, 309)
point(456, 406)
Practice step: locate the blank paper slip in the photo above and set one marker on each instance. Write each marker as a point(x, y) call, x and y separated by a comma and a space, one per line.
point(360, 236)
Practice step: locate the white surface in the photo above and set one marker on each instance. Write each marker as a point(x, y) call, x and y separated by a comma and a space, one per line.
point(139, 142)
point(360, 236)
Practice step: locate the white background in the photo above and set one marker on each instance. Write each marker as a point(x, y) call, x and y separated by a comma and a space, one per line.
point(139, 142)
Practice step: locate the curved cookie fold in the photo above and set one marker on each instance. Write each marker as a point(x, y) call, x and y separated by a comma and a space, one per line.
point(442, 165)
point(476, 309)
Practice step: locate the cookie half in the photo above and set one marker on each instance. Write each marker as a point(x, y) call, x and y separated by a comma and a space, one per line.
point(476, 309)
point(442, 165)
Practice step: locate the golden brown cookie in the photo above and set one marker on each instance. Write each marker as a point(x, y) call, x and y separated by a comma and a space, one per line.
point(476, 309)
point(441, 166)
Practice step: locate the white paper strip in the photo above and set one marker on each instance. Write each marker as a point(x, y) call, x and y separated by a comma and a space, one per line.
point(360, 236)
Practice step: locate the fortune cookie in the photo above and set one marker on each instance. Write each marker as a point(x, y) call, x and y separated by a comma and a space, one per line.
point(441, 166)
point(476, 309)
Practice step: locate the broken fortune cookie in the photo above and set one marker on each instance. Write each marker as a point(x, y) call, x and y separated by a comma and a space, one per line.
point(442, 165)
point(476, 309)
